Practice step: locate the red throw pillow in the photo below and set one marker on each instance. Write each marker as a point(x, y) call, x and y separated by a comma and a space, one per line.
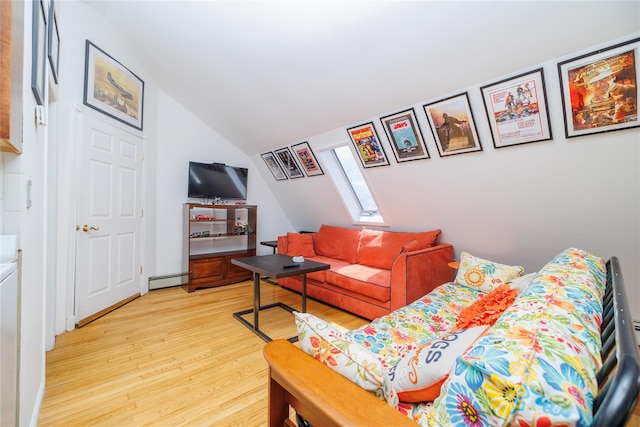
point(300, 245)
point(487, 309)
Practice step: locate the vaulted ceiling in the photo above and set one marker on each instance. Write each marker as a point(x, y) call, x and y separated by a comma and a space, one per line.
point(266, 74)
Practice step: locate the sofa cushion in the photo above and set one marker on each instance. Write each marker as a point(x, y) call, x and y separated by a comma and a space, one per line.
point(337, 242)
point(418, 376)
point(484, 275)
point(369, 281)
point(328, 345)
point(379, 248)
point(300, 245)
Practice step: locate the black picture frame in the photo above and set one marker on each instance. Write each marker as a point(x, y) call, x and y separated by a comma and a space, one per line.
point(599, 90)
point(307, 159)
point(111, 88)
point(453, 126)
point(274, 166)
point(368, 146)
point(405, 136)
point(53, 50)
point(288, 162)
point(38, 50)
point(517, 109)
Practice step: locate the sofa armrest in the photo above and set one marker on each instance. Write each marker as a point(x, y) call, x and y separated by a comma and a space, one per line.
point(415, 274)
point(319, 394)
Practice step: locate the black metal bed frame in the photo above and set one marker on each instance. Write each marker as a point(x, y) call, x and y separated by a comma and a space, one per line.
point(619, 377)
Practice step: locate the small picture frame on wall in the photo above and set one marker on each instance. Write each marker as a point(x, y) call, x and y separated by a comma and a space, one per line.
point(405, 136)
point(452, 125)
point(367, 144)
point(307, 159)
point(288, 163)
point(53, 50)
point(600, 90)
point(517, 109)
point(38, 50)
point(111, 88)
point(273, 165)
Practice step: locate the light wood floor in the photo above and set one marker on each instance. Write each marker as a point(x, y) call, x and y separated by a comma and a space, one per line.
point(170, 358)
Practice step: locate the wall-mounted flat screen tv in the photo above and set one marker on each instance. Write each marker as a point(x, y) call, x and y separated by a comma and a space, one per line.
point(211, 180)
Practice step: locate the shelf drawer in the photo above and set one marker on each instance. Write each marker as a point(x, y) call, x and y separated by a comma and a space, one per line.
point(209, 267)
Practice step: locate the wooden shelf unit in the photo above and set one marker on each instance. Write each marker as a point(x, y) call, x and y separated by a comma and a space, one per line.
point(211, 242)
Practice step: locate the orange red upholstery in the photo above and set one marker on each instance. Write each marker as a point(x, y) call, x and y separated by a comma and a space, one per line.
point(372, 272)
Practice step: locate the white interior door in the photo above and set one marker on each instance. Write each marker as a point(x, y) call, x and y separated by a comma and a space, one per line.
point(109, 217)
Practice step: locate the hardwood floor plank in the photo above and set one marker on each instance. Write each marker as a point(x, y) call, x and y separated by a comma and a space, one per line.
point(170, 358)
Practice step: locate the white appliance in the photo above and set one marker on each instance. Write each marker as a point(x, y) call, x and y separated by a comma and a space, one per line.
point(8, 330)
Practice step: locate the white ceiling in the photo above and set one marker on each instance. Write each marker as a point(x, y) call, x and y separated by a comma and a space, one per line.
point(266, 74)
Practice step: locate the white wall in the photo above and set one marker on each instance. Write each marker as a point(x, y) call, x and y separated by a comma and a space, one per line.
point(518, 205)
point(182, 137)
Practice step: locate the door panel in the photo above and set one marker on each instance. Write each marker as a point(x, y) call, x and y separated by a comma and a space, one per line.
point(109, 216)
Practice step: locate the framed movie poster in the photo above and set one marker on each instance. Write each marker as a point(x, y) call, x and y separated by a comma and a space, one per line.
point(367, 144)
point(307, 159)
point(452, 125)
point(273, 165)
point(405, 136)
point(288, 163)
point(111, 88)
point(517, 109)
point(599, 90)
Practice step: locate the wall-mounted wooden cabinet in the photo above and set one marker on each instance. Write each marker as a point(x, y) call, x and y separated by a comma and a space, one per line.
point(212, 238)
point(5, 78)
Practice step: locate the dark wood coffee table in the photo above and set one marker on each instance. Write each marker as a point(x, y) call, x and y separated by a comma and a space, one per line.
point(274, 266)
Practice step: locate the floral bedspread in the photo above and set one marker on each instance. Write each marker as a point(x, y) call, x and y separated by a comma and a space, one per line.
point(537, 365)
point(416, 324)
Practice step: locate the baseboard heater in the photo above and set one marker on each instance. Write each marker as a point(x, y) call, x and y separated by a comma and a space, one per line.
point(168, 280)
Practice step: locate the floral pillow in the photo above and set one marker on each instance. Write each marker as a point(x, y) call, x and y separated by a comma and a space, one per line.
point(418, 376)
point(484, 275)
point(351, 360)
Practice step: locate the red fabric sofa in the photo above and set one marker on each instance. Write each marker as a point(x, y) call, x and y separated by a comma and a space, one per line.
point(372, 272)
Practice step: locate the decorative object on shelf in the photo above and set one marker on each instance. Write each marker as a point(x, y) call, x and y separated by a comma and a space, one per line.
point(517, 109)
point(367, 144)
point(405, 136)
point(273, 165)
point(242, 227)
point(53, 50)
point(307, 159)
point(599, 90)
point(452, 125)
point(288, 163)
point(111, 88)
point(38, 50)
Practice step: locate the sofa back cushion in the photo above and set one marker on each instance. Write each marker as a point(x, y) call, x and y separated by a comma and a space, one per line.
point(337, 242)
point(379, 248)
point(300, 245)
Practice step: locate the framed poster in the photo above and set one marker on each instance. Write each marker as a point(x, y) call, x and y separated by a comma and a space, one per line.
point(273, 165)
point(307, 159)
point(367, 144)
point(111, 88)
point(38, 50)
point(452, 125)
point(599, 90)
point(53, 50)
point(517, 109)
point(288, 163)
point(405, 136)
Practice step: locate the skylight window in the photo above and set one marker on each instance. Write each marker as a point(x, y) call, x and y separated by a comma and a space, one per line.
point(345, 173)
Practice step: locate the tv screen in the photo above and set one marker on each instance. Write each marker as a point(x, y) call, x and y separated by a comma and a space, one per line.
point(210, 180)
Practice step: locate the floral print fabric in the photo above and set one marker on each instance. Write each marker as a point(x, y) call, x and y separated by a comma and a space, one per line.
point(538, 363)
